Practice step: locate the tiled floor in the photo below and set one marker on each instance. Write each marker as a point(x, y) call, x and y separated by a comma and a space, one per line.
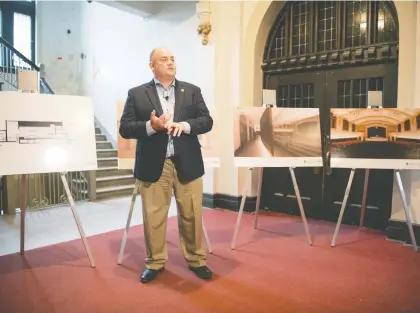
point(54, 225)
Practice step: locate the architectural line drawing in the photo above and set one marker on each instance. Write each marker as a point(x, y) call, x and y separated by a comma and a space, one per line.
point(33, 132)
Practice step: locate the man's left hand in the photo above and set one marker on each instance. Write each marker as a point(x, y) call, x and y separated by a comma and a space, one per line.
point(175, 129)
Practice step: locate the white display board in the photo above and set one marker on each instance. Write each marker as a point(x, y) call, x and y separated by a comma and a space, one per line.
point(389, 164)
point(42, 133)
point(277, 137)
point(375, 98)
point(269, 97)
point(376, 138)
point(278, 162)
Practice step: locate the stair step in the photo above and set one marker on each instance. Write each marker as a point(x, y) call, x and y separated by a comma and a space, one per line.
point(108, 178)
point(106, 153)
point(100, 145)
point(110, 189)
point(107, 159)
point(97, 130)
point(106, 150)
point(108, 162)
point(100, 137)
point(115, 188)
point(111, 181)
point(112, 171)
point(107, 168)
point(114, 192)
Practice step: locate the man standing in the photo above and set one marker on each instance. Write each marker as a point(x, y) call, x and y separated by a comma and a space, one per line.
point(166, 115)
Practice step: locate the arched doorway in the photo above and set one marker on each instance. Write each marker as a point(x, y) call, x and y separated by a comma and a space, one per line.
point(329, 54)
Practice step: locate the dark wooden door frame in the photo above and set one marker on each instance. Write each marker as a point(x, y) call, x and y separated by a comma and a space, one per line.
point(323, 204)
point(380, 182)
point(281, 195)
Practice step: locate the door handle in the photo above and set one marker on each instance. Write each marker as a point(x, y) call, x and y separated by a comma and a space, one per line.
point(327, 161)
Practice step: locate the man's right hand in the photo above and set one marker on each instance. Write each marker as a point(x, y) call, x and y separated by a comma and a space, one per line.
point(158, 123)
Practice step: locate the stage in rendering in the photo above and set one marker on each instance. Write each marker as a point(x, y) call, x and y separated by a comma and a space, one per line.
point(375, 134)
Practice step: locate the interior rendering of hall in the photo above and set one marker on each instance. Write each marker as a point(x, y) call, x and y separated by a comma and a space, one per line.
point(375, 133)
point(277, 132)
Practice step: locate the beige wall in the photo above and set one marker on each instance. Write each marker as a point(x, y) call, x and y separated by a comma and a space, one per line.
point(240, 30)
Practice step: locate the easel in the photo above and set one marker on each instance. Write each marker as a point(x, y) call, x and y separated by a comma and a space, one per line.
point(127, 226)
point(403, 198)
point(257, 209)
point(375, 101)
point(23, 204)
point(344, 203)
point(29, 82)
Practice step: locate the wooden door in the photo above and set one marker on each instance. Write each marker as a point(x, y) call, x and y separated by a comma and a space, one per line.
point(305, 90)
point(348, 88)
point(322, 190)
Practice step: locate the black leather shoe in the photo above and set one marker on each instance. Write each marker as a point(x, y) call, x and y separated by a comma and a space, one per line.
point(149, 275)
point(202, 271)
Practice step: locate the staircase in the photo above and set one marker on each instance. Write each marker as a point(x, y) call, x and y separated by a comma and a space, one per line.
point(110, 181)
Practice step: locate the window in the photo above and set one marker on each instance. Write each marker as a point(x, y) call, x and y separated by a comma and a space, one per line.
point(407, 125)
point(327, 25)
point(1, 35)
point(345, 125)
point(301, 28)
point(354, 93)
point(1, 23)
point(17, 27)
point(356, 23)
point(296, 96)
point(309, 27)
point(22, 37)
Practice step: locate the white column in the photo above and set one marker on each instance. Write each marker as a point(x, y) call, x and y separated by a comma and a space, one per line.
point(226, 33)
point(408, 96)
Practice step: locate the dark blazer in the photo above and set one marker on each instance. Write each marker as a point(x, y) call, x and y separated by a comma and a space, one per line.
point(151, 150)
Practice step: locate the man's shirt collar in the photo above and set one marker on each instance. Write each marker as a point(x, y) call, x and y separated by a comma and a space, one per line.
point(157, 82)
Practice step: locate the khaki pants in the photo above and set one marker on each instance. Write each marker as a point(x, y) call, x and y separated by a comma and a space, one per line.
point(156, 199)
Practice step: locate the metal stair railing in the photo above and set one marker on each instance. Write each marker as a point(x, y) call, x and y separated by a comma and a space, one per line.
point(46, 189)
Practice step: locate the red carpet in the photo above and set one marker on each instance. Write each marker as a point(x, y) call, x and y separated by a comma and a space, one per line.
point(273, 270)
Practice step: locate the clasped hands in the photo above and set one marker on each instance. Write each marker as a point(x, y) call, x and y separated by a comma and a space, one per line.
point(162, 123)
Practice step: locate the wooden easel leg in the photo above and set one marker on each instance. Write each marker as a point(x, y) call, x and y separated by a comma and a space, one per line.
point(76, 218)
point(241, 210)
point(127, 226)
point(23, 204)
point(343, 206)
